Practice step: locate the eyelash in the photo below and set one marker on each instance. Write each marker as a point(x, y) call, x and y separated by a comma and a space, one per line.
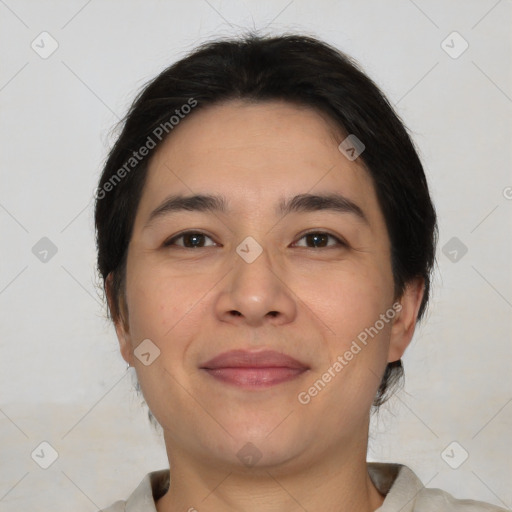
point(171, 242)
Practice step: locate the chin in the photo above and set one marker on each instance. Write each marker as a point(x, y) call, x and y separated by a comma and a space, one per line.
point(264, 446)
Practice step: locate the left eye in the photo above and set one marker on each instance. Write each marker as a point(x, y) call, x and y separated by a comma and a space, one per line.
point(320, 239)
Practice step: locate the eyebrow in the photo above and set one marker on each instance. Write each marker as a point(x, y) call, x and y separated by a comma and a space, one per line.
point(301, 203)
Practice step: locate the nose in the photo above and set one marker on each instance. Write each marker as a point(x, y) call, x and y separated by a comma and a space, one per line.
point(256, 293)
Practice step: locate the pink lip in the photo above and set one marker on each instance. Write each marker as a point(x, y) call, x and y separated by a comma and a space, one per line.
point(254, 370)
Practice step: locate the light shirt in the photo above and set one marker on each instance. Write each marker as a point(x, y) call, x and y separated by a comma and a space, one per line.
point(403, 492)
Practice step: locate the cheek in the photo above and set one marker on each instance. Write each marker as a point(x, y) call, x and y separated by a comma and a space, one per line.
point(346, 300)
point(153, 306)
point(165, 307)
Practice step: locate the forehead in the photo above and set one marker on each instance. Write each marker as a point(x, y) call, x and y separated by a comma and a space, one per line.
point(254, 154)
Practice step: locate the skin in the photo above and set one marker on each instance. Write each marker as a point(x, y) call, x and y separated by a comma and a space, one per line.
point(307, 301)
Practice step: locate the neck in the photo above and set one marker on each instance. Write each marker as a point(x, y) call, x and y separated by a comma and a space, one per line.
point(337, 482)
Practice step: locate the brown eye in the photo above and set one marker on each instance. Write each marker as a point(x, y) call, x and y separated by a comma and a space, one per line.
point(320, 239)
point(189, 240)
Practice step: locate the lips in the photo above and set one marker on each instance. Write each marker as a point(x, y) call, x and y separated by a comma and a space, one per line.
point(253, 369)
point(245, 359)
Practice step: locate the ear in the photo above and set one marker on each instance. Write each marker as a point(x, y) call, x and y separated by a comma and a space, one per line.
point(404, 322)
point(120, 323)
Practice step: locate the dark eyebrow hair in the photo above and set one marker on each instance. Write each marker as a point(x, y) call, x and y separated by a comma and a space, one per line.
point(317, 202)
point(196, 203)
point(297, 204)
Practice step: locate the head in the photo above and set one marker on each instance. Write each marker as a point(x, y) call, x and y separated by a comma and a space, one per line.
point(345, 244)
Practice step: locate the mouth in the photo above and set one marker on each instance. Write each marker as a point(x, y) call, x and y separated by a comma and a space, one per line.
point(253, 370)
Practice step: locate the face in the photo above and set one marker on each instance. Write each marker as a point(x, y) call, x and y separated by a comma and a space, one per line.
point(290, 282)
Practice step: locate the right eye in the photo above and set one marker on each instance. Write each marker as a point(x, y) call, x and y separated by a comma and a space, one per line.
point(190, 240)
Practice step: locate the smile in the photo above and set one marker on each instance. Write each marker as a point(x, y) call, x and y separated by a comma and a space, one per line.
point(254, 370)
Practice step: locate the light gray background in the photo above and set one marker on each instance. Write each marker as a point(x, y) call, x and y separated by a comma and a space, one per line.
point(62, 379)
